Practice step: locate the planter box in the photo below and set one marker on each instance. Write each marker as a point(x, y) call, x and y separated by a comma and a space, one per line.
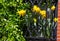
point(27, 30)
point(38, 39)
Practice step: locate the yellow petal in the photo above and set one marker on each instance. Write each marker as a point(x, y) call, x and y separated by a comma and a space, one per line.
point(35, 8)
point(55, 19)
point(42, 12)
point(22, 12)
point(44, 16)
point(53, 8)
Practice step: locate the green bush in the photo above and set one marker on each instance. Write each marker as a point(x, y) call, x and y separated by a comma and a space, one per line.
point(10, 29)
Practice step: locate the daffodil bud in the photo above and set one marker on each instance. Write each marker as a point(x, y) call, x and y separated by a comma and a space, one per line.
point(34, 24)
point(48, 12)
point(48, 9)
point(35, 20)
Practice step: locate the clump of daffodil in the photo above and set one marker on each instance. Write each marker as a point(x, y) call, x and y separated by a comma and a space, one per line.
point(55, 19)
point(22, 12)
point(43, 13)
point(53, 8)
point(36, 9)
point(35, 20)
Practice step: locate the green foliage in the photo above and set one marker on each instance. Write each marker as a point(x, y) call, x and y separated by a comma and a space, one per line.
point(10, 29)
point(11, 24)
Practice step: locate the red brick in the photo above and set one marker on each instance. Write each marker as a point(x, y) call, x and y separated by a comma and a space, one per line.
point(58, 2)
point(58, 15)
point(59, 7)
point(59, 12)
point(58, 39)
point(58, 30)
point(58, 21)
point(58, 33)
point(58, 36)
point(58, 27)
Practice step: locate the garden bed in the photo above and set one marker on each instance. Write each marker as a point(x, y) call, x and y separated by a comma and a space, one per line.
point(28, 20)
point(38, 39)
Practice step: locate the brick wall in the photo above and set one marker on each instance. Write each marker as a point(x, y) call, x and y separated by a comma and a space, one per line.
point(58, 27)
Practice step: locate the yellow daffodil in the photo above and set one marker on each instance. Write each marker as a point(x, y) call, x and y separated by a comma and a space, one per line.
point(55, 19)
point(36, 9)
point(22, 12)
point(43, 13)
point(53, 8)
point(35, 20)
point(44, 16)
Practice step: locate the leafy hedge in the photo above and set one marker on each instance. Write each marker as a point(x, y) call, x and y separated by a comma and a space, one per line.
point(10, 29)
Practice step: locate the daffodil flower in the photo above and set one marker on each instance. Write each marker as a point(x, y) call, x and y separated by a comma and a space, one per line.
point(53, 8)
point(55, 19)
point(43, 13)
point(22, 12)
point(36, 9)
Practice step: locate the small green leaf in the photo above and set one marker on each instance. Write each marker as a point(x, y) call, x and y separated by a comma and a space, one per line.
point(0, 1)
